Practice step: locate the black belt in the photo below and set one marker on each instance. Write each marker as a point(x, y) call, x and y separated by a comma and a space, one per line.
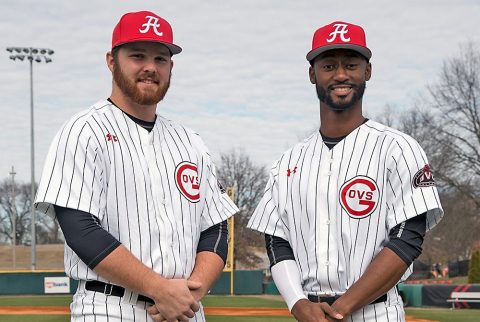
point(110, 289)
point(331, 299)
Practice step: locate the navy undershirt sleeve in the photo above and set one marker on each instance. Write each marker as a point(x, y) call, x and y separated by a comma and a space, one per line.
point(84, 235)
point(278, 249)
point(215, 239)
point(406, 239)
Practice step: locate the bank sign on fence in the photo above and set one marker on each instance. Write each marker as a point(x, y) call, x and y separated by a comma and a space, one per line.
point(57, 285)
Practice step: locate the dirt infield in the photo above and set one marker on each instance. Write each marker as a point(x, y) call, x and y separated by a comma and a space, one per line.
point(28, 310)
point(223, 311)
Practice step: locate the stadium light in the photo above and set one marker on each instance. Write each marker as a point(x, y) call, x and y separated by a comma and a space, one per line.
point(38, 55)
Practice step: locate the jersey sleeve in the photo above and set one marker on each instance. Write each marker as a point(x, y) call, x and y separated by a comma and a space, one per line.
point(217, 204)
point(411, 187)
point(73, 174)
point(267, 216)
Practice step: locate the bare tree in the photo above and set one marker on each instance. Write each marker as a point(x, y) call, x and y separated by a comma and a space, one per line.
point(47, 229)
point(454, 123)
point(235, 169)
point(446, 123)
point(452, 238)
point(22, 206)
point(388, 116)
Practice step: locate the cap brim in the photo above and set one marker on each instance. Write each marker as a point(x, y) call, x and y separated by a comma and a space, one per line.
point(174, 49)
point(364, 51)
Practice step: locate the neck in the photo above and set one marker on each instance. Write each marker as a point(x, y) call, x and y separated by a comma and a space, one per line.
point(339, 123)
point(142, 112)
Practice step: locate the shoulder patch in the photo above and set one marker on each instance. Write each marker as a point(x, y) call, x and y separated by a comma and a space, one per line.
point(220, 187)
point(423, 178)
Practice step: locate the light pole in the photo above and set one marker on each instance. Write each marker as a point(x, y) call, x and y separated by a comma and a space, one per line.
point(14, 221)
point(38, 55)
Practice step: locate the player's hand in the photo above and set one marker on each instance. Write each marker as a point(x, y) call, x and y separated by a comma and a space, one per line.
point(174, 302)
point(306, 311)
point(196, 289)
point(154, 314)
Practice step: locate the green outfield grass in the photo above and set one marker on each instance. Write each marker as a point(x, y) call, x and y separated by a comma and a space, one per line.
point(36, 318)
point(452, 280)
point(249, 319)
point(65, 318)
point(241, 301)
point(445, 315)
point(39, 300)
point(209, 300)
point(440, 315)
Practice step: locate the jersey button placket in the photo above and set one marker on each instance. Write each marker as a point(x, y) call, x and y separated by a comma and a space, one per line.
point(159, 198)
point(329, 227)
point(333, 220)
point(322, 213)
point(166, 233)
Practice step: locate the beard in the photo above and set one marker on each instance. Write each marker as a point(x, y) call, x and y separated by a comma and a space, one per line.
point(129, 87)
point(341, 105)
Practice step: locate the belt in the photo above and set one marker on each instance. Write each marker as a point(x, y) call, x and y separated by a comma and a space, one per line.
point(331, 299)
point(114, 290)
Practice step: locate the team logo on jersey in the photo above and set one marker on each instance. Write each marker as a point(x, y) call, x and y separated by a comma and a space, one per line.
point(291, 171)
point(423, 177)
point(359, 196)
point(111, 137)
point(186, 178)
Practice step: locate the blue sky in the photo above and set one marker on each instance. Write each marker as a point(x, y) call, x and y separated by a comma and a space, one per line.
point(241, 80)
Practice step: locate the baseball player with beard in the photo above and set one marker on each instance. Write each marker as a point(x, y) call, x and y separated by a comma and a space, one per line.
point(345, 211)
point(136, 195)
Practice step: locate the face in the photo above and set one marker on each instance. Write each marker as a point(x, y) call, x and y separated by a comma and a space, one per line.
point(142, 71)
point(340, 78)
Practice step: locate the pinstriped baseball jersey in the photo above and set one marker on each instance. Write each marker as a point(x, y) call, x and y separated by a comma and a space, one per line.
point(154, 191)
point(336, 207)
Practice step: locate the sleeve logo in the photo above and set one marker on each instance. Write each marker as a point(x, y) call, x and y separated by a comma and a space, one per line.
point(221, 187)
point(359, 196)
point(186, 178)
point(423, 178)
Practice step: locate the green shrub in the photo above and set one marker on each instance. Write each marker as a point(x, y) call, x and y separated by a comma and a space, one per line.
point(474, 267)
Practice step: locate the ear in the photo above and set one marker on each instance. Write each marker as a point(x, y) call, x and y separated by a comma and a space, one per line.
point(110, 61)
point(368, 72)
point(311, 74)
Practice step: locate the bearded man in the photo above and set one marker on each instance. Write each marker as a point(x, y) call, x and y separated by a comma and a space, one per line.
point(135, 194)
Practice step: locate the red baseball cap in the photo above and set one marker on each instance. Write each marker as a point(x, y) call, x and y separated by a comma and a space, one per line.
point(336, 35)
point(144, 26)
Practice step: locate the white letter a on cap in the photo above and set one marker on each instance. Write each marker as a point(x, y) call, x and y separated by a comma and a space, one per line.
point(340, 29)
point(152, 22)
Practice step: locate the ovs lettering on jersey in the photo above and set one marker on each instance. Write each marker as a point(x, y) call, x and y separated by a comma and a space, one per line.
point(186, 178)
point(359, 196)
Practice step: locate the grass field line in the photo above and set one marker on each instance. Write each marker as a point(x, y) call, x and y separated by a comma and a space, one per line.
point(223, 311)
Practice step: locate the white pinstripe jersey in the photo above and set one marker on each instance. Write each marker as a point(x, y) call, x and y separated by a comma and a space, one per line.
point(154, 191)
point(336, 207)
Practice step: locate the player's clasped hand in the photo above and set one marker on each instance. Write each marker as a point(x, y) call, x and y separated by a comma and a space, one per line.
point(175, 301)
point(306, 311)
